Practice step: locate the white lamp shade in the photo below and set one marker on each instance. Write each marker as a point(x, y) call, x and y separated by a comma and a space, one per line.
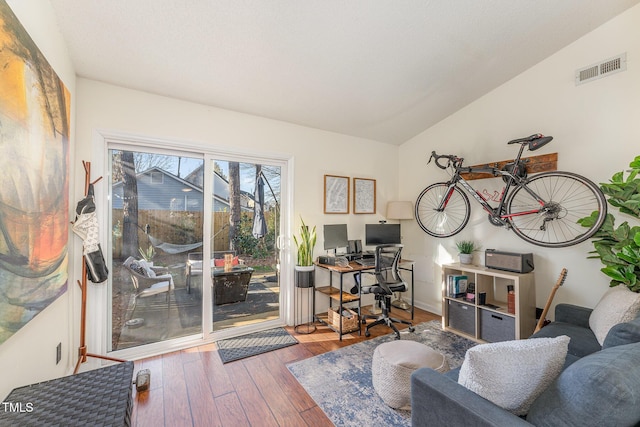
point(399, 210)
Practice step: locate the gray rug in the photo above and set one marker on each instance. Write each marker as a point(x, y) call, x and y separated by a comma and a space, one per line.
point(340, 381)
point(257, 343)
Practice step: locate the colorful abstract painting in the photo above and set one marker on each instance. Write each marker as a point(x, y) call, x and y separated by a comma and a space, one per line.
point(34, 182)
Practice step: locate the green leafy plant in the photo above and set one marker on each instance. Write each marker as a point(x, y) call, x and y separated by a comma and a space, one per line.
point(618, 248)
point(466, 246)
point(147, 254)
point(305, 245)
point(245, 243)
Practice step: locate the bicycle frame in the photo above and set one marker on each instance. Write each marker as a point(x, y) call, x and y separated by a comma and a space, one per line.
point(545, 209)
point(497, 212)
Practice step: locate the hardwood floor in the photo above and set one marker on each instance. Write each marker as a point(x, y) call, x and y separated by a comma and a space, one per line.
point(194, 388)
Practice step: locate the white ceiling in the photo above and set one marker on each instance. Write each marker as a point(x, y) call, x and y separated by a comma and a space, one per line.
point(379, 69)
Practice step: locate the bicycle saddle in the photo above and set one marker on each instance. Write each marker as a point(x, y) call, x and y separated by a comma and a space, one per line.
point(535, 141)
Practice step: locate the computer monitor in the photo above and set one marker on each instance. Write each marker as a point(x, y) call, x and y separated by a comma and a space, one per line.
point(335, 236)
point(381, 234)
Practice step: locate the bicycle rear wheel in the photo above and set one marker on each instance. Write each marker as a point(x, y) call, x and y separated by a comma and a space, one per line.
point(568, 197)
point(448, 222)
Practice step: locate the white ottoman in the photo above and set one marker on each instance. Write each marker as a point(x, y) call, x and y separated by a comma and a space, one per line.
point(392, 366)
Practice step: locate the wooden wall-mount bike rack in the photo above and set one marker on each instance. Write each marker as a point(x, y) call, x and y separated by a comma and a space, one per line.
point(534, 164)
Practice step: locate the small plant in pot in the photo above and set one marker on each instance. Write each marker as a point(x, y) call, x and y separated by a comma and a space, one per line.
point(304, 264)
point(148, 254)
point(466, 248)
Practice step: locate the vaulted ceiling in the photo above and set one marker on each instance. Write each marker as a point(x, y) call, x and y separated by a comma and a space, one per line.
point(379, 69)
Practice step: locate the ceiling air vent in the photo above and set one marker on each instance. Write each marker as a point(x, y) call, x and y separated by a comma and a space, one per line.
point(601, 69)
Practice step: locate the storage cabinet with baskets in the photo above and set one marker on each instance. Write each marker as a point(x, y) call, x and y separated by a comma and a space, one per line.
point(487, 305)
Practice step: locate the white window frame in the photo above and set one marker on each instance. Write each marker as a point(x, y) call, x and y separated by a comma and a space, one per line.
point(99, 298)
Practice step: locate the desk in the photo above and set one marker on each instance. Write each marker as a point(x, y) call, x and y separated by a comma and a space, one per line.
point(338, 294)
point(404, 268)
point(341, 297)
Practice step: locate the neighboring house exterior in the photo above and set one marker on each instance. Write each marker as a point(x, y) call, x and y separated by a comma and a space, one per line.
point(221, 190)
point(161, 190)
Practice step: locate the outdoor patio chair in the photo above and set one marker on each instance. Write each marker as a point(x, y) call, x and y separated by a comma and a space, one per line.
point(148, 280)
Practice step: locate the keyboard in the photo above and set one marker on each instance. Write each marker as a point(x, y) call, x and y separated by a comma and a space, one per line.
point(366, 262)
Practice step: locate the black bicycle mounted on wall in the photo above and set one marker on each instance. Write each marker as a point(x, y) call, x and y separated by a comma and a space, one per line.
point(542, 209)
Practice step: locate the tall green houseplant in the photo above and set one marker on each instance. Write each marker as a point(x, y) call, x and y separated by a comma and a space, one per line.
point(619, 248)
point(304, 265)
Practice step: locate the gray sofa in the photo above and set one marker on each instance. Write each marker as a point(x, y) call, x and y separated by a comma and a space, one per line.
point(599, 386)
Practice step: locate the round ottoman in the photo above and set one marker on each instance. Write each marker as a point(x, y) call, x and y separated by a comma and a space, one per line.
point(392, 366)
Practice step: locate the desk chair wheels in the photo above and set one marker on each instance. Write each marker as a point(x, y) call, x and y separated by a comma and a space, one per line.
point(368, 334)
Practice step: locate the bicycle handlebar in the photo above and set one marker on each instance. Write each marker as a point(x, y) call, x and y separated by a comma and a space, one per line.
point(451, 158)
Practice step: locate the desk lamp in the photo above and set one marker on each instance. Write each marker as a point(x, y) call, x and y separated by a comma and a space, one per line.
point(400, 210)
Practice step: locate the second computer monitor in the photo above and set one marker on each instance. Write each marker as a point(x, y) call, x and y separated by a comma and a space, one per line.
point(382, 234)
point(335, 236)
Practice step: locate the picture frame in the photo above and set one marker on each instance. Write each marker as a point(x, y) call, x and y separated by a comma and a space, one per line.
point(336, 194)
point(364, 196)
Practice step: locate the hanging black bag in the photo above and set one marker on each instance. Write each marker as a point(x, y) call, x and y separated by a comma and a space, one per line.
point(86, 226)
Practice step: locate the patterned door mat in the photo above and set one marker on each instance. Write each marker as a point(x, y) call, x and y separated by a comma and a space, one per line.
point(257, 343)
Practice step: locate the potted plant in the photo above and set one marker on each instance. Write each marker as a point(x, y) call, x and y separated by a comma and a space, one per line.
point(148, 254)
point(466, 248)
point(304, 265)
point(618, 248)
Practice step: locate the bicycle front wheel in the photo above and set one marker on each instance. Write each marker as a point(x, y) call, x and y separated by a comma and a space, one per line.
point(448, 221)
point(567, 197)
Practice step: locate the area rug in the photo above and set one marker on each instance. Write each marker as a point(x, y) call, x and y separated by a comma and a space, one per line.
point(260, 299)
point(257, 343)
point(340, 381)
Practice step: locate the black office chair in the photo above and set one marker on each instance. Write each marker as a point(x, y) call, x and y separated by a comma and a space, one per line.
point(388, 281)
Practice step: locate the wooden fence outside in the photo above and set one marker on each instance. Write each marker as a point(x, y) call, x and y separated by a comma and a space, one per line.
point(179, 228)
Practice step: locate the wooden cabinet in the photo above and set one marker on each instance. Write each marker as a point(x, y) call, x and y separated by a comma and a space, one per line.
point(487, 305)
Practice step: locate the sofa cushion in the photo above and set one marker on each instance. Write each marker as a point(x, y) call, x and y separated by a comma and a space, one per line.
point(618, 305)
point(598, 390)
point(148, 271)
point(570, 313)
point(512, 374)
point(583, 341)
point(623, 333)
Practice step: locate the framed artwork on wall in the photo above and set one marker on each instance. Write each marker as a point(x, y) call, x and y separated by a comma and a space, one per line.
point(364, 196)
point(34, 213)
point(336, 194)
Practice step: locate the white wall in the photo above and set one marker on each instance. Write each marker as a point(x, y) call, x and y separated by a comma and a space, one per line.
point(314, 152)
point(596, 133)
point(30, 354)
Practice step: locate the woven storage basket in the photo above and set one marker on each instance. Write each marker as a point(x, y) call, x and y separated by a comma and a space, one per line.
point(349, 324)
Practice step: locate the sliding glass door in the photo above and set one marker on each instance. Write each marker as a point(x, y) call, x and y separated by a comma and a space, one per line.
point(157, 206)
point(169, 283)
point(245, 222)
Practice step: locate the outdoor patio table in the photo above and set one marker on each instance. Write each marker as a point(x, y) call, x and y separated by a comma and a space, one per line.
point(231, 286)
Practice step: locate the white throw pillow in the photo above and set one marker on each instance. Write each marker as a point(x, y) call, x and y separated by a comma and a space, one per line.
point(512, 374)
point(618, 305)
point(147, 268)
